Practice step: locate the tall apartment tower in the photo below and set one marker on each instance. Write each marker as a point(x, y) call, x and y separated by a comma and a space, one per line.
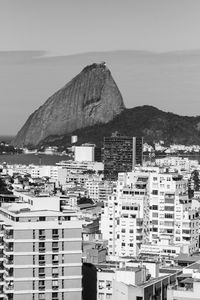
point(125, 219)
point(40, 256)
point(121, 154)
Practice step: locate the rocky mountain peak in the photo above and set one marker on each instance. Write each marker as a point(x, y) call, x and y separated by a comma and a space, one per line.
point(90, 98)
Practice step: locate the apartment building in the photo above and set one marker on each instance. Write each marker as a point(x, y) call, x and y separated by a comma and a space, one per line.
point(40, 255)
point(171, 211)
point(125, 219)
point(98, 190)
point(121, 154)
point(44, 171)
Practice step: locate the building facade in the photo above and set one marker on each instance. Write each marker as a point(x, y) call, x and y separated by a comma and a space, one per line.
point(121, 154)
point(40, 256)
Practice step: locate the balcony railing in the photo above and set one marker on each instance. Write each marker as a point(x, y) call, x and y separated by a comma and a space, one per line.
point(55, 249)
point(42, 250)
point(8, 236)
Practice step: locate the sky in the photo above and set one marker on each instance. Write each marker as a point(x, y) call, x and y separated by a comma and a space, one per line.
point(76, 26)
point(99, 28)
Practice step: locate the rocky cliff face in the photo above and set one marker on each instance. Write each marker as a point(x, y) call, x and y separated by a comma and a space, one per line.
point(90, 98)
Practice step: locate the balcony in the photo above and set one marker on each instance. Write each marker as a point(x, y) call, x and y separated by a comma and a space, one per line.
point(9, 286)
point(9, 249)
point(55, 236)
point(41, 288)
point(41, 275)
point(55, 249)
point(8, 236)
point(41, 262)
point(42, 237)
point(9, 262)
point(42, 249)
point(55, 262)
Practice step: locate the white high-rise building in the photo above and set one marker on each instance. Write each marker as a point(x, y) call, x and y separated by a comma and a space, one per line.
point(150, 207)
point(172, 214)
point(125, 219)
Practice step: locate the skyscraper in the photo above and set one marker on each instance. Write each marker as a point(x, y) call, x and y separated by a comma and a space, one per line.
point(121, 154)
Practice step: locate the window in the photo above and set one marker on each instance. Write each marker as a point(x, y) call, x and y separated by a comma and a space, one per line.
point(41, 260)
point(55, 231)
point(41, 271)
point(55, 272)
point(41, 285)
point(41, 232)
point(41, 296)
point(54, 296)
point(55, 245)
point(155, 192)
point(41, 257)
point(155, 215)
point(101, 296)
point(55, 259)
point(55, 283)
point(154, 207)
point(108, 296)
point(41, 246)
point(42, 218)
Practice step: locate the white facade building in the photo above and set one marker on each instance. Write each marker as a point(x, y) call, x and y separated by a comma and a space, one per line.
point(125, 219)
point(84, 153)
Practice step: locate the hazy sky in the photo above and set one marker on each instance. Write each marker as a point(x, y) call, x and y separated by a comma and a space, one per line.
point(74, 26)
point(64, 27)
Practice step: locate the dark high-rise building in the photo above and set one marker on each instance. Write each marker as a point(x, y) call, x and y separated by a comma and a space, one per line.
point(137, 151)
point(121, 154)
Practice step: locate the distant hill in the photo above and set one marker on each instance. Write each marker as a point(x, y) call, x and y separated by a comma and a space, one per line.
point(147, 121)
